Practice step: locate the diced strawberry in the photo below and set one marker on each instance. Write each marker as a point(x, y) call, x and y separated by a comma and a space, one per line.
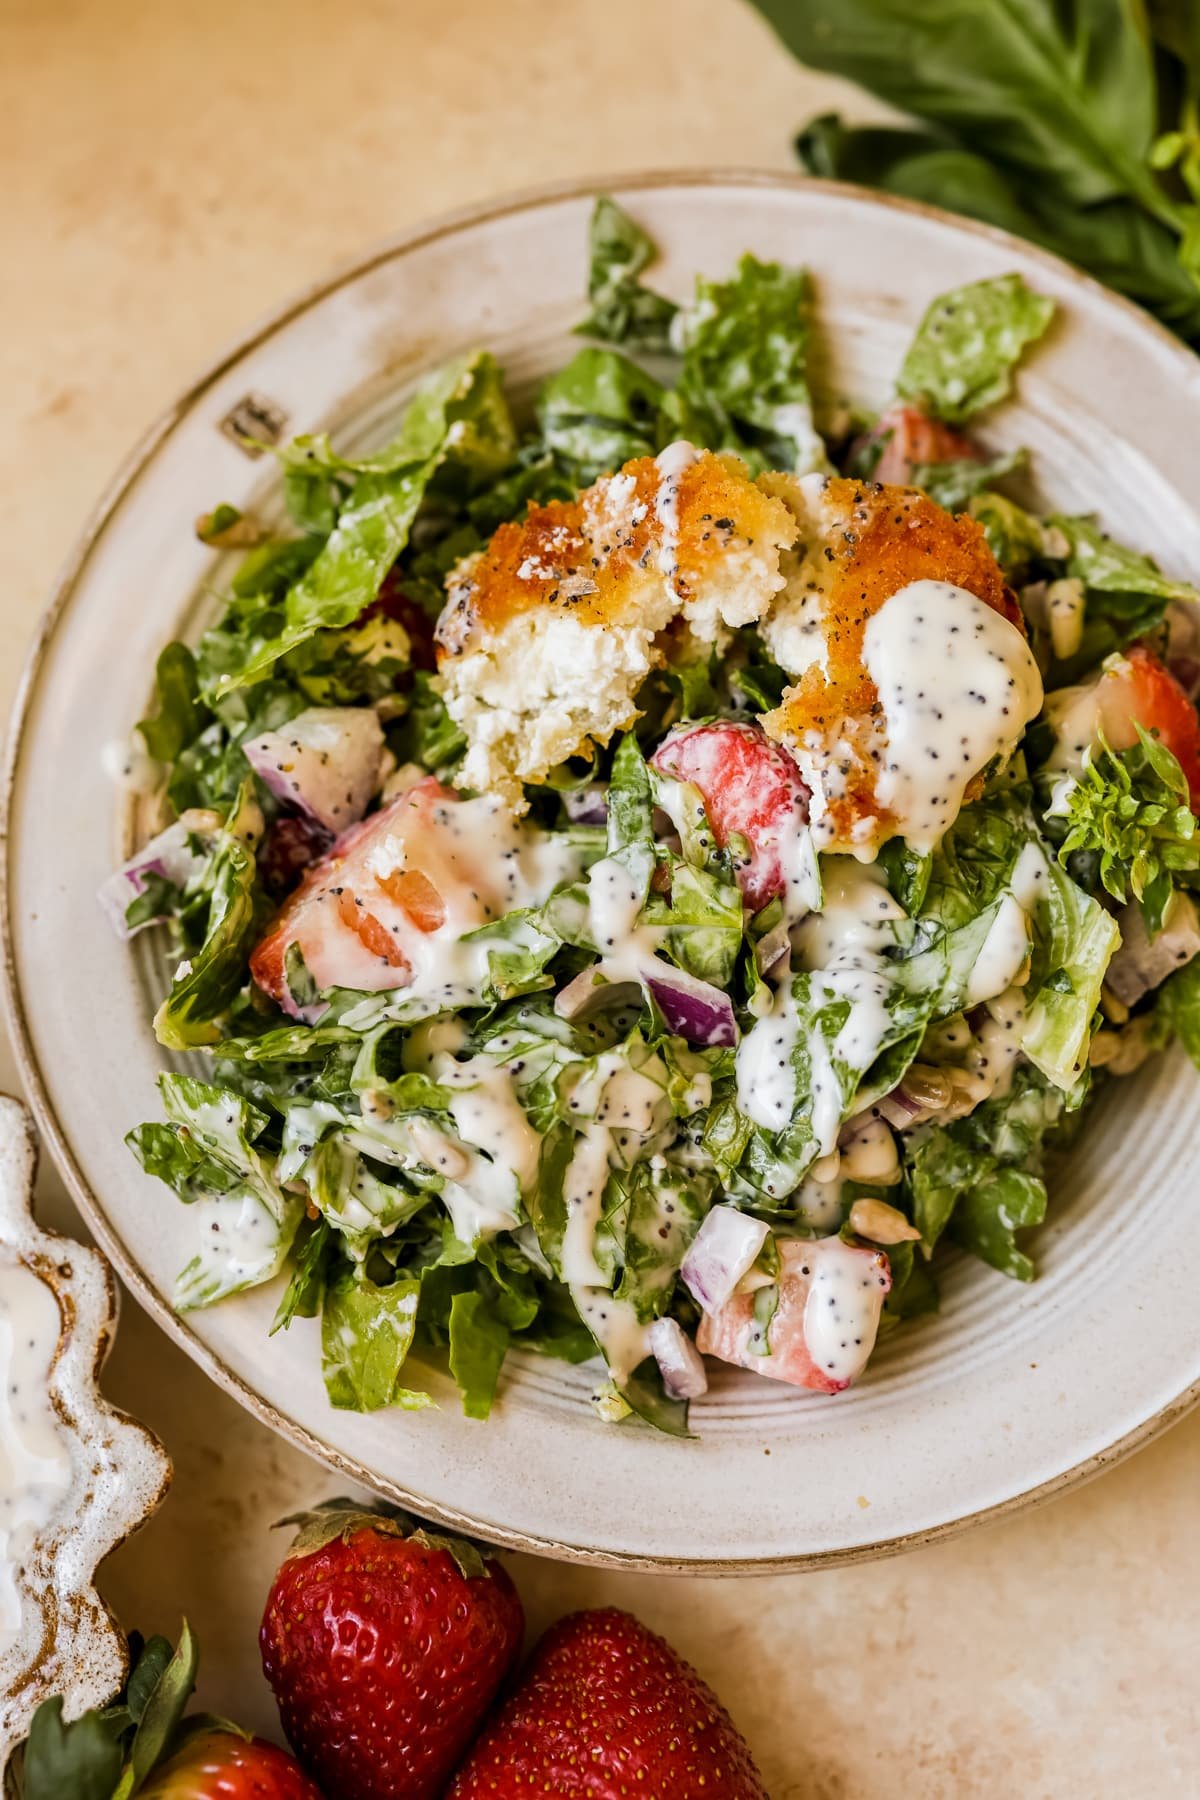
point(830, 1297)
point(751, 788)
point(911, 439)
point(1140, 690)
point(360, 914)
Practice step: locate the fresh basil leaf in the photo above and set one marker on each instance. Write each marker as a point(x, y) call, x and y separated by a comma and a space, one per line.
point(1065, 97)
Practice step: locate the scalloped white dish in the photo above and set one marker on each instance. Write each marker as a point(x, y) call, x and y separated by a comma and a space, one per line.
point(1013, 1391)
point(76, 1476)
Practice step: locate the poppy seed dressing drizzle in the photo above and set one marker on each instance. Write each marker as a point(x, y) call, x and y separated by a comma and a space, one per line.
point(958, 685)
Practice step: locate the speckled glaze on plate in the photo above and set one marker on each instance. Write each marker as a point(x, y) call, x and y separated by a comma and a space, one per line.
point(76, 1475)
point(1013, 1392)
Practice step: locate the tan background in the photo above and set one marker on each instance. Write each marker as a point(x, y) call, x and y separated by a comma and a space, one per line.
point(168, 170)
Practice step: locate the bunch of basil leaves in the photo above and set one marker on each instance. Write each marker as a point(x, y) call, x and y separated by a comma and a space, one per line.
point(1071, 122)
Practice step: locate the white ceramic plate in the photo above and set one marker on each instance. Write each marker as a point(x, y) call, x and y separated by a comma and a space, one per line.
point(1014, 1390)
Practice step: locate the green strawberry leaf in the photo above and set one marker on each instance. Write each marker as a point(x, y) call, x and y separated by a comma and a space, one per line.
point(148, 1670)
point(342, 1517)
point(82, 1759)
point(162, 1709)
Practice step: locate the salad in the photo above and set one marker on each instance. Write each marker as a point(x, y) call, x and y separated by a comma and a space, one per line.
point(641, 880)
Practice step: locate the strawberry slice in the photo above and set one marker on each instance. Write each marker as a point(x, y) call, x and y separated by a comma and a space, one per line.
point(361, 913)
point(751, 789)
point(1140, 690)
point(911, 439)
point(830, 1296)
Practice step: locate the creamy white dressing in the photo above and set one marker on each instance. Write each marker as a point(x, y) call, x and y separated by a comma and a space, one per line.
point(615, 1326)
point(996, 1046)
point(583, 1195)
point(240, 1242)
point(671, 464)
point(1003, 953)
point(800, 869)
point(481, 861)
point(35, 1459)
point(624, 946)
point(819, 1202)
point(841, 1313)
point(766, 1081)
point(842, 946)
point(958, 685)
point(488, 1115)
point(130, 766)
point(1027, 883)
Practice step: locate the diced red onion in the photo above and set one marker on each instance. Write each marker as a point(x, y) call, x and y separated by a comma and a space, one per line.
point(169, 855)
point(721, 1252)
point(691, 1009)
point(587, 806)
point(680, 1363)
point(324, 763)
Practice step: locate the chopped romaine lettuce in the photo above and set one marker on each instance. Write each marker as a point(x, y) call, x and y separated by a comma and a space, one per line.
point(968, 344)
point(743, 384)
point(623, 310)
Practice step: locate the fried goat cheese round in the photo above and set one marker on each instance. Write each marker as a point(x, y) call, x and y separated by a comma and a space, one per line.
point(911, 672)
point(549, 632)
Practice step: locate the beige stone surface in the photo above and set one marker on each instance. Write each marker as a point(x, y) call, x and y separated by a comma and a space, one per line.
point(171, 168)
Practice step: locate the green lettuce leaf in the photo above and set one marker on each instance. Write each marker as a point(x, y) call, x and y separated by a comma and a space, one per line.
point(180, 716)
point(981, 1176)
point(1178, 1007)
point(1074, 941)
point(479, 1343)
point(743, 384)
point(967, 345)
point(458, 411)
point(623, 310)
point(599, 412)
point(955, 484)
point(207, 981)
point(366, 1333)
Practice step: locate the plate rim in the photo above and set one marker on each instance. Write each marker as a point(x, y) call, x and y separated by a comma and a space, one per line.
point(54, 1135)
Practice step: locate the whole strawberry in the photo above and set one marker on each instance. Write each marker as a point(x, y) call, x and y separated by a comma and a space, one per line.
point(143, 1744)
point(606, 1709)
point(385, 1646)
point(220, 1765)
